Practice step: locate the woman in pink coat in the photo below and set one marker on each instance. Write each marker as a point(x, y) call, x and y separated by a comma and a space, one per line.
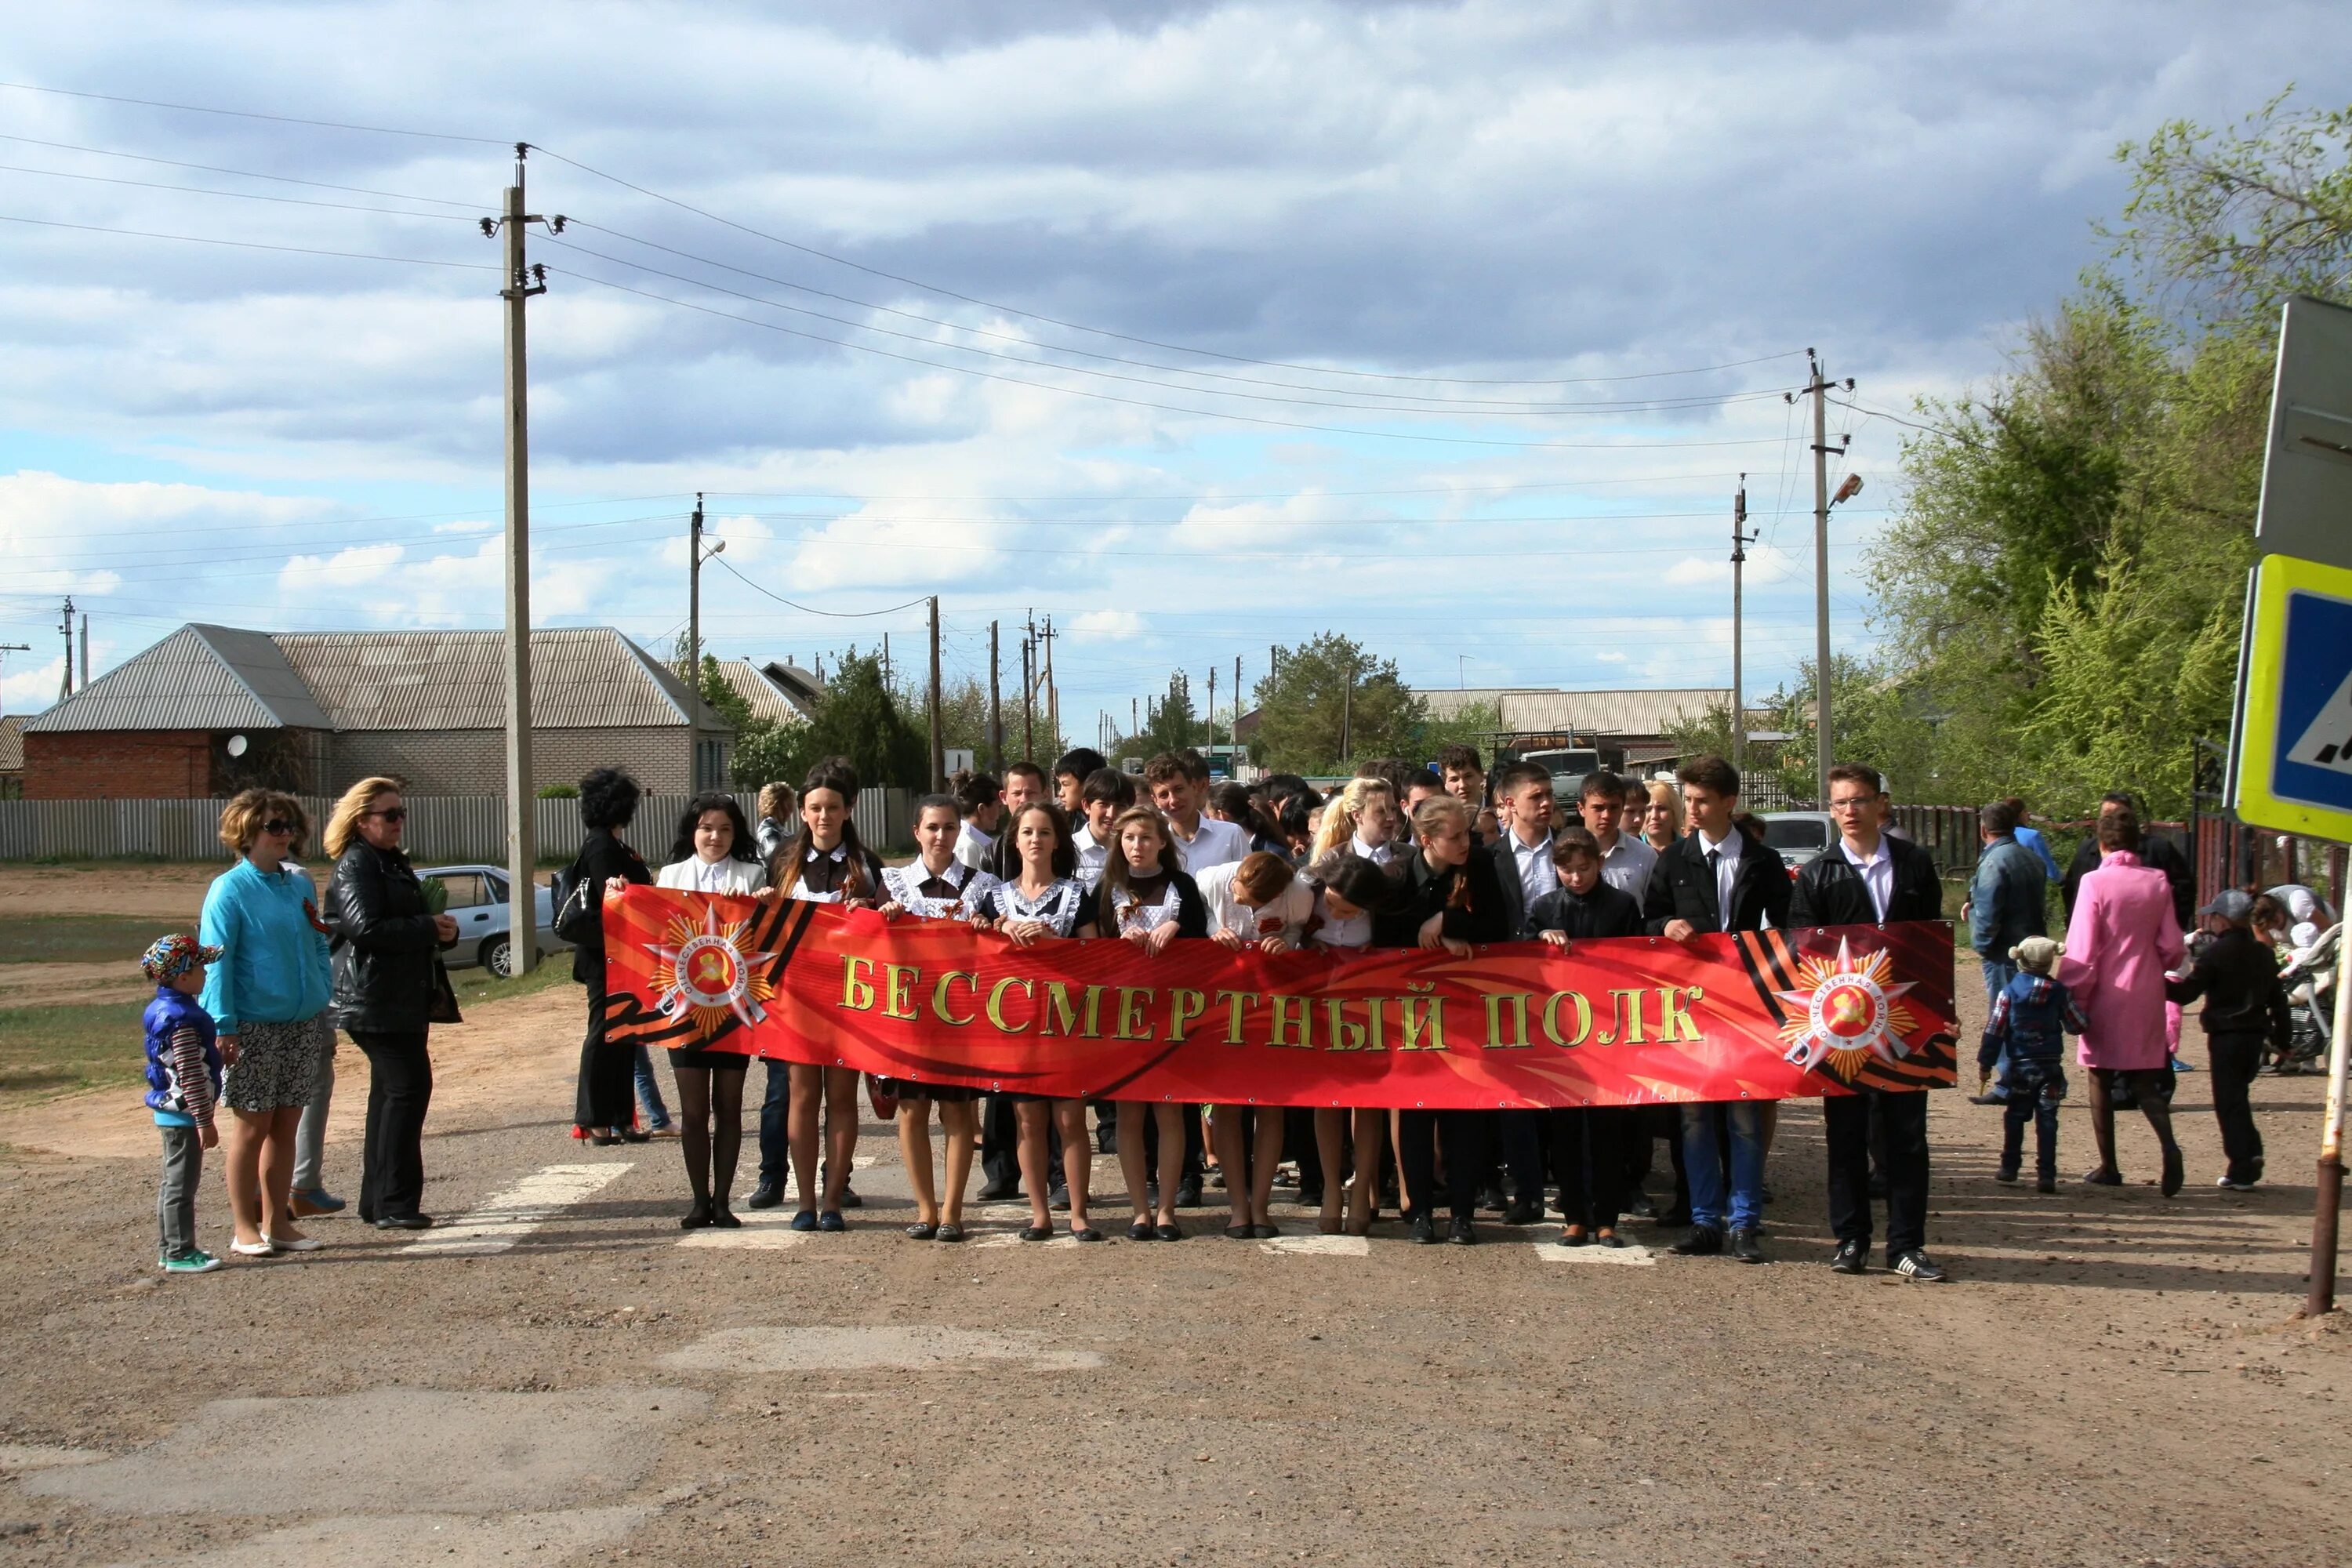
point(2121, 941)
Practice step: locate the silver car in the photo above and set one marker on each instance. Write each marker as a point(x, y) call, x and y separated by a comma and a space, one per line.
point(478, 903)
point(1800, 836)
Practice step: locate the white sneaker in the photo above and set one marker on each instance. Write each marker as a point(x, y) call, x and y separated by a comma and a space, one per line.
point(253, 1249)
point(306, 1244)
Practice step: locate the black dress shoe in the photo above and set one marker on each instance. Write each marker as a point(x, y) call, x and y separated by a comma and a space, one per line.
point(1639, 1206)
point(766, 1196)
point(1188, 1193)
point(1851, 1258)
point(1424, 1230)
point(1492, 1199)
point(1673, 1217)
point(850, 1200)
point(989, 1193)
point(1460, 1231)
point(1703, 1241)
point(404, 1222)
point(1522, 1213)
point(1746, 1245)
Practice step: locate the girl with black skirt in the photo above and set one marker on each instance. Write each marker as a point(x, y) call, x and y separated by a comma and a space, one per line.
point(1044, 901)
point(1145, 897)
point(714, 853)
point(1450, 899)
point(938, 886)
point(825, 865)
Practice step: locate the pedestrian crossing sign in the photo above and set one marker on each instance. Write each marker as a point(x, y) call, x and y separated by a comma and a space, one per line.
point(2293, 749)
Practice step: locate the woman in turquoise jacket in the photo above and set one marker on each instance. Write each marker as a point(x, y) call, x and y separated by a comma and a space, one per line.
point(268, 995)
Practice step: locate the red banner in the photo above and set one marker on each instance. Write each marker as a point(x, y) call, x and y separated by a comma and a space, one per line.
point(1626, 1021)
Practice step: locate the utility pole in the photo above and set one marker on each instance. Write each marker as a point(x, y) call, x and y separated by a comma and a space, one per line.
point(995, 711)
point(66, 628)
point(1052, 692)
point(85, 650)
point(1134, 715)
point(695, 556)
point(939, 732)
point(1233, 731)
point(885, 659)
point(1029, 691)
point(1818, 388)
point(522, 851)
point(1213, 711)
point(1740, 541)
point(1347, 711)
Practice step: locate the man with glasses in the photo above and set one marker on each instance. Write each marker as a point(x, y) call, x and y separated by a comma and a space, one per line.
point(1872, 877)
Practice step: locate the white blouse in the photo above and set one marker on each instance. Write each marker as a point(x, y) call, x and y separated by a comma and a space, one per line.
point(1285, 917)
point(1134, 916)
point(695, 874)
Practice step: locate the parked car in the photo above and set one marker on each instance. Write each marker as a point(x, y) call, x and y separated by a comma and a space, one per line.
point(478, 903)
point(1800, 836)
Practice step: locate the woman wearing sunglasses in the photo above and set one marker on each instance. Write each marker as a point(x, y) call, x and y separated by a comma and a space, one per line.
point(268, 995)
point(388, 975)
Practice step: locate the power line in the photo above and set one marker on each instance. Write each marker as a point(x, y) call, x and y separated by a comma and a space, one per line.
point(811, 610)
point(251, 114)
point(1124, 337)
point(240, 173)
point(238, 196)
point(1162, 407)
point(251, 244)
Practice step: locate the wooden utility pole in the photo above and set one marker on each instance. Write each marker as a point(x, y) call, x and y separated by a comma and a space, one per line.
point(1052, 692)
point(939, 732)
point(1740, 541)
point(522, 846)
point(695, 555)
point(1029, 691)
point(995, 711)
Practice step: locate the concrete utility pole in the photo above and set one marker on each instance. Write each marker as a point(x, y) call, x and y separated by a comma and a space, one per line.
point(695, 556)
point(1052, 692)
point(1232, 736)
point(1029, 691)
point(522, 851)
point(85, 652)
point(1347, 711)
point(1740, 541)
point(1824, 734)
point(66, 628)
point(995, 711)
point(1212, 710)
point(939, 734)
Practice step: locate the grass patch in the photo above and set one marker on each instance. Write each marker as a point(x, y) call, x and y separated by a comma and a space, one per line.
point(49, 1051)
point(81, 938)
point(478, 985)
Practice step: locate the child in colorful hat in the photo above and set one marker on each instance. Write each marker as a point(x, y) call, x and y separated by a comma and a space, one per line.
point(184, 1084)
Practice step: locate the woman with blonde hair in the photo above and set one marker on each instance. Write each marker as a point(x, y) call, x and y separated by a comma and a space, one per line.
point(1362, 818)
point(268, 996)
point(1662, 820)
point(386, 942)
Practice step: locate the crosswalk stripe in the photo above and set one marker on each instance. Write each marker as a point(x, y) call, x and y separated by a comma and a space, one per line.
point(522, 1208)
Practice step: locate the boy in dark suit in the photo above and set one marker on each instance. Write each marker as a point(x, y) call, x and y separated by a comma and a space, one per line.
point(1715, 878)
point(1587, 1144)
point(1869, 876)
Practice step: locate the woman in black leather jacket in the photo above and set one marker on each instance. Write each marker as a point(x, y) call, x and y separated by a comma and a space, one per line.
point(604, 1109)
point(387, 957)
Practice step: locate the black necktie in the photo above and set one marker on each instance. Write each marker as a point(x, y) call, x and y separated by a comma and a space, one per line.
point(1715, 884)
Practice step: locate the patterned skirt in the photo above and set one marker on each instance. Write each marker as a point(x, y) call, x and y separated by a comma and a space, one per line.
point(277, 1065)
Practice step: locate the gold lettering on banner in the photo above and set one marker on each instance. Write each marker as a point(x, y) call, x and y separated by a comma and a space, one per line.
point(1513, 1004)
point(1629, 1012)
point(1421, 1019)
point(1131, 1026)
point(940, 996)
point(1551, 1018)
point(1674, 1018)
point(996, 1002)
point(1344, 1034)
point(899, 990)
point(1290, 1015)
point(1234, 1002)
point(856, 994)
point(1183, 1007)
point(1061, 1010)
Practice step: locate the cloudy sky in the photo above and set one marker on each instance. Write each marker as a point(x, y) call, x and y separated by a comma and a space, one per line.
point(1197, 327)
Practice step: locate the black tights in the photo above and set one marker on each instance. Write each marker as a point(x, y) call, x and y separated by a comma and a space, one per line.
point(710, 1149)
point(2152, 1088)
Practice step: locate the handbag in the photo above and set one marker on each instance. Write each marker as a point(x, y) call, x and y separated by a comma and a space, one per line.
point(443, 1008)
point(579, 912)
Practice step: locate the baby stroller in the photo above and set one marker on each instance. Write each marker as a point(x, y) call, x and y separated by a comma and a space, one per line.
point(2310, 981)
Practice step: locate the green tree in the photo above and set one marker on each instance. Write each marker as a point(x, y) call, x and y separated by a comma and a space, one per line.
point(861, 718)
point(1328, 703)
point(1473, 724)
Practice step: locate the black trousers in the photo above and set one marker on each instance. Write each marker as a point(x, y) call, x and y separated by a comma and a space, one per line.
point(1000, 1141)
point(1465, 1135)
point(400, 1091)
point(1526, 1139)
point(1846, 1124)
point(2235, 1059)
point(1587, 1151)
point(607, 1096)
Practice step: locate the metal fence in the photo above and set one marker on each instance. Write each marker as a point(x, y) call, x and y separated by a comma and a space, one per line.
point(441, 829)
point(1946, 832)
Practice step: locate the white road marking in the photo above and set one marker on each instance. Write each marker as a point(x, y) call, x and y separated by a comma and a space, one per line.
point(763, 1230)
point(1012, 1238)
point(1319, 1245)
point(1636, 1255)
point(522, 1208)
point(874, 1349)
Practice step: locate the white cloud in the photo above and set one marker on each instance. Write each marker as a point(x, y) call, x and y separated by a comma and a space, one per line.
point(1104, 626)
point(353, 568)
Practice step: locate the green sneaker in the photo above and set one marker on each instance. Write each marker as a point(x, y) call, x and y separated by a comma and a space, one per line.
point(197, 1261)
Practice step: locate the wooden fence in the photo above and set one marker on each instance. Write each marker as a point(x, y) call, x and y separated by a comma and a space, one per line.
point(441, 829)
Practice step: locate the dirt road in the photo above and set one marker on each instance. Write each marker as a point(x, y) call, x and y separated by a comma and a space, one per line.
point(564, 1375)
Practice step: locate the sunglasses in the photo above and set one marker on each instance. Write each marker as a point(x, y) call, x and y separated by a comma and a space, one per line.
point(277, 826)
point(397, 814)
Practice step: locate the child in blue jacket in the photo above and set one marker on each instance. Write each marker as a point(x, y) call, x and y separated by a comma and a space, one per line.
point(2031, 1019)
point(184, 1085)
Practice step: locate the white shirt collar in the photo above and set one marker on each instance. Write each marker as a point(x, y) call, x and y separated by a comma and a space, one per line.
point(840, 853)
point(1875, 857)
point(955, 875)
point(1727, 846)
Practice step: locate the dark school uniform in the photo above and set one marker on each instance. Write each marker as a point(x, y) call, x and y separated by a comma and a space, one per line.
point(1586, 1143)
point(2245, 1008)
point(925, 896)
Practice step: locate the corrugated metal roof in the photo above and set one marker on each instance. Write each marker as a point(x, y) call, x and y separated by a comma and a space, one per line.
point(199, 677)
point(12, 743)
point(1609, 712)
point(581, 679)
point(760, 693)
point(1445, 704)
point(803, 689)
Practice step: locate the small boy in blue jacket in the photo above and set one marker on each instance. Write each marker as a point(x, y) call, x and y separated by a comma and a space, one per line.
point(184, 1085)
point(2031, 1020)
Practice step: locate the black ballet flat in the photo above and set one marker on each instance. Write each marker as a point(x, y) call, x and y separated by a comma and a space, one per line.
point(724, 1218)
point(1167, 1232)
point(1086, 1233)
point(921, 1232)
point(1609, 1238)
point(1141, 1231)
point(695, 1217)
point(1037, 1233)
point(1240, 1233)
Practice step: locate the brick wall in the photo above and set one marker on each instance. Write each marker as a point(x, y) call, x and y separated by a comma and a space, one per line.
point(118, 764)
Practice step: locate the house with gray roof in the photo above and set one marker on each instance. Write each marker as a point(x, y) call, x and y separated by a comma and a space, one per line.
point(212, 709)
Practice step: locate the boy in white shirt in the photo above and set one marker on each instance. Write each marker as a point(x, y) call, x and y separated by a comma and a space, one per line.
point(1201, 841)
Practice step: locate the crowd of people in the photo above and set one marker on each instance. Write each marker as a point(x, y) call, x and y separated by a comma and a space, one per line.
point(1399, 856)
